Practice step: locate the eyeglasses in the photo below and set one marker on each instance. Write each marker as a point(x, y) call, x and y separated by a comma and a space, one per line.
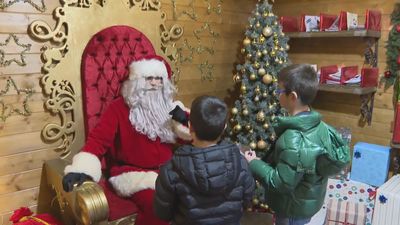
point(150, 78)
point(280, 91)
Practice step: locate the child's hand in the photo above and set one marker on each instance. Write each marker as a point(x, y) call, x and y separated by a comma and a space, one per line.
point(250, 155)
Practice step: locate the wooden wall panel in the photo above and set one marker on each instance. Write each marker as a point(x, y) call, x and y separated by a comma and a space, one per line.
point(343, 109)
point(22, 151)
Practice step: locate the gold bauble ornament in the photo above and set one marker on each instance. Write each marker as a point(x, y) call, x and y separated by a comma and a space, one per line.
point(252, 76)
point(276, 23)
point(258, 24)
point(276, 48)
point(243, 50)
point(265, 125)
point(287, 47)
point(232, 120)
point(281, 49)
point(246, 41)
point(236, 78)
point(267, 31)
point(237, 128)
point(253, 145)
point(280, 62)
point(245, 112)
point(262, 39)
point(260, 116)
point(261, 144)
point(248, 56)
point(234, 111)
point(275, 35)
point(267, 79)
point(261, 72)
point(248, 127)
point(243, 88)
point(273, 53)
point(255, 201)
point(265, 52)
point(251, 131)
point(276, 60)
point(257, 13)
point(265, 94)
point(271, 14)
point(265, 14)
point(257, 90)
point(256, 99)
point(259, 54)
point(254, 41)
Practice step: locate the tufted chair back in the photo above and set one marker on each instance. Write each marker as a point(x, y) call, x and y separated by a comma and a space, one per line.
point(105, 65)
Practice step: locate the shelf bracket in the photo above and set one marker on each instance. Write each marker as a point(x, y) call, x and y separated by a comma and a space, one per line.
point(367, 106)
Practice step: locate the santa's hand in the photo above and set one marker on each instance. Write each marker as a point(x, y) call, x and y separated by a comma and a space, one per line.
point(178, 114)
point(72, 179)
point(250, 155)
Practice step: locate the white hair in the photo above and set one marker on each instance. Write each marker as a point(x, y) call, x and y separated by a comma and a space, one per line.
point(149, 108)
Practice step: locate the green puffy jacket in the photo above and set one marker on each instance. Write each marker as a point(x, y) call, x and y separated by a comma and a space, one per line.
point(306, 153)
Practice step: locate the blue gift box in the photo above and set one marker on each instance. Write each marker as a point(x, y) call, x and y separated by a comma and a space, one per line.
point(370, 163)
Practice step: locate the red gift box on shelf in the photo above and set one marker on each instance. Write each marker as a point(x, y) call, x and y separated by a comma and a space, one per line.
point(289, 23)
point(345, 213)
point(369, 77)
point(343, 21)
point(326, 21)
point(347, 73)
point(325, 71)
point(373, 20)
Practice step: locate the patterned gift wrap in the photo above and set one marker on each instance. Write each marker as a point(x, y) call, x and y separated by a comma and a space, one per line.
point(387, 209)
point(345, 213)
point(352, 191)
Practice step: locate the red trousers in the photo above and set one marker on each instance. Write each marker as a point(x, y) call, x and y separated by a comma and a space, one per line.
point(144, 201)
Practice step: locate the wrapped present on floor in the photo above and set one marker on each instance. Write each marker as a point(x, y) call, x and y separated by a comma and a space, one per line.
point(370, 163)
point(387, 204)
point(24, 216)
point(352, 191)
point(345, 213)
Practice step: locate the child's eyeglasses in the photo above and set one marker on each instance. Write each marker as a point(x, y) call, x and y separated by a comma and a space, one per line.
point(280, 91)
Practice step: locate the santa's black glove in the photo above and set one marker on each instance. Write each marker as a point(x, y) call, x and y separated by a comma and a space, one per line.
point(179, 115)
point(70, 179)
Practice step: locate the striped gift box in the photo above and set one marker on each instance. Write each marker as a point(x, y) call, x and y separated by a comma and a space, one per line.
point(345, 213)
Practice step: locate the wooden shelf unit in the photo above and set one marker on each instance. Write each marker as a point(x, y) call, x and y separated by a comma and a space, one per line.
point(356, 90)
point(335, 34)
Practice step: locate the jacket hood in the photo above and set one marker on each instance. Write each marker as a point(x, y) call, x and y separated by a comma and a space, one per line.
point(213, 170)
point(303, 122)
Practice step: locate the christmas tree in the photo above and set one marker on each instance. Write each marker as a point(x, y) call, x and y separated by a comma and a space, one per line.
point(264, 48)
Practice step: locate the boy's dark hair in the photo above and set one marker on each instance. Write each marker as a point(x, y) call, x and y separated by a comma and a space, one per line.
point(208, 116)
point(302, 79)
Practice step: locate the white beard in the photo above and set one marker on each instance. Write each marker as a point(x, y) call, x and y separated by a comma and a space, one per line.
point(149, 115)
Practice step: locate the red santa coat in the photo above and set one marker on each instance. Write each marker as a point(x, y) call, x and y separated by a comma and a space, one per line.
point(132, 158)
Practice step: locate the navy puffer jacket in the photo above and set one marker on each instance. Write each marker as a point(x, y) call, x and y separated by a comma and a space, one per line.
point(204, 186)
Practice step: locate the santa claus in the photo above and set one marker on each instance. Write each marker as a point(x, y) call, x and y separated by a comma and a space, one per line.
point(135, 134)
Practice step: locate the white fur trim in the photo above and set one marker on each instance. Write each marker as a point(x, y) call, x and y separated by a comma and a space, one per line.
point(129, 183)
point(148, 67)
point(86, 163)
point(181, 131)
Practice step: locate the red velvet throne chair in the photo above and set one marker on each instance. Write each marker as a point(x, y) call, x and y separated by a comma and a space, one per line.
point(104, 67)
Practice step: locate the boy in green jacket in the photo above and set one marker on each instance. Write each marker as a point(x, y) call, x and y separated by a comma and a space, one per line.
point(306, 152)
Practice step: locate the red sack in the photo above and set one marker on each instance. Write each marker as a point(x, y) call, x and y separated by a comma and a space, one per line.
point(343, 21)
point(347, 73)
point(326, 21)
point(373, 20)
point(289, 24)
point(369, 77)
point(23, 216)
point(325, 71)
